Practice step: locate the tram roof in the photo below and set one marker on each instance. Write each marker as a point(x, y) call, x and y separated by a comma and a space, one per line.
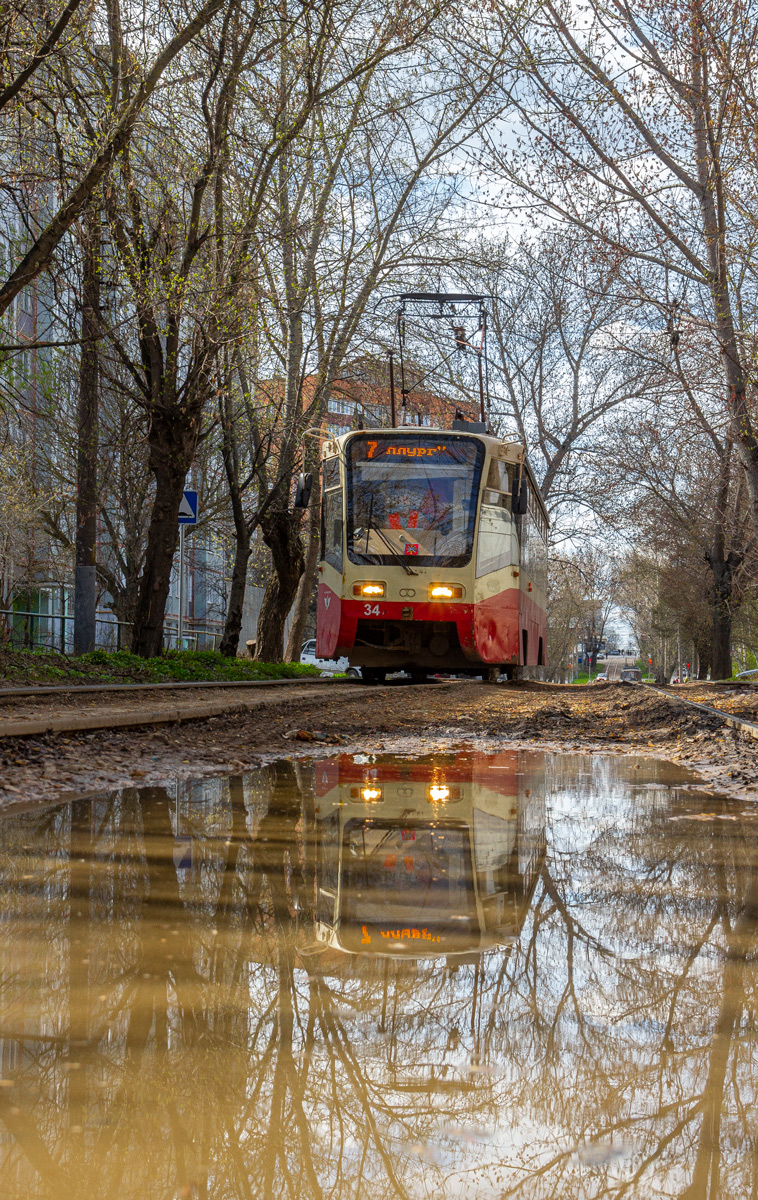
point(490, 439)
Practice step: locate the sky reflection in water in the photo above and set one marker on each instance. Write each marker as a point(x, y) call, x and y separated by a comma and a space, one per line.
point(461, 975)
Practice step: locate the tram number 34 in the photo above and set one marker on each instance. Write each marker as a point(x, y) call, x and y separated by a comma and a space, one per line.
point(371, 610)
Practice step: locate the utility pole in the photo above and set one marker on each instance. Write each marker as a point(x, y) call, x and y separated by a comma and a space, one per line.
point(85, 573)
point(679, 654)
point(180, 631)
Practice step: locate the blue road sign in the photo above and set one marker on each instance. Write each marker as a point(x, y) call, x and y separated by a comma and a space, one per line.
point(183, 852)
point(188, 509)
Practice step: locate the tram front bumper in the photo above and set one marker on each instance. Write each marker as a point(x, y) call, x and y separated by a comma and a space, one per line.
point(427, 635)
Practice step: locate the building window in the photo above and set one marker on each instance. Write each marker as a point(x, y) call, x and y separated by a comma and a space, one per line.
point(341, 406)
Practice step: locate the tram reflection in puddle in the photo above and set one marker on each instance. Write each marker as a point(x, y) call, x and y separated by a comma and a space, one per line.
point(438, 855)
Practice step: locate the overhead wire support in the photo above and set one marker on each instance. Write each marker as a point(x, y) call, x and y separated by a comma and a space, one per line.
point(458, 306)
point(401, 340)
point(479, 354)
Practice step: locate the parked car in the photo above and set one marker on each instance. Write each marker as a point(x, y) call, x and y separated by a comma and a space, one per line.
point(752, 674)
point(327, 666)
point(601, 678)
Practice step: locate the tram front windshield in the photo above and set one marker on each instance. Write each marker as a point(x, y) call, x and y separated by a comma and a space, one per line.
point(407, 876)
point(412, 496)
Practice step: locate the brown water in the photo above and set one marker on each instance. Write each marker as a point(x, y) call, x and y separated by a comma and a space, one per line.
point(455, 976)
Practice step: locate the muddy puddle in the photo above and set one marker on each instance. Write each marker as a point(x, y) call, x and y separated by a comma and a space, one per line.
point(460, 975)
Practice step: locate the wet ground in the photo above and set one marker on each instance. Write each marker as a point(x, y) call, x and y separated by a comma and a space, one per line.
point(401, 718)
point(523, 974)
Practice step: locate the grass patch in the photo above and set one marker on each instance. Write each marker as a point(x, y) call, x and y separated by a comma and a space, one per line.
point(582, 676)
point(101, 666)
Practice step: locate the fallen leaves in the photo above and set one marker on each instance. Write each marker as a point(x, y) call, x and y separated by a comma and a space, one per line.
point(313, 735)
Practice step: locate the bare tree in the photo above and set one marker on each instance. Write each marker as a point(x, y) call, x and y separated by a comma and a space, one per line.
point(357, 202)
point(562, 370)
point(637, 132)
point(133, 82)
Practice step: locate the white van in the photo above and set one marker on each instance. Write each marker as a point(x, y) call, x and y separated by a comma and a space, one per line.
point(327, 666)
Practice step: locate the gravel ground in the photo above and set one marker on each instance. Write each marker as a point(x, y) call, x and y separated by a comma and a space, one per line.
point(400, 717)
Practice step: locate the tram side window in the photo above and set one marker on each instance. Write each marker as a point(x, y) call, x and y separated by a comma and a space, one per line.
point(331, 528)
point(534, 546)
point(497, 546)
point(498, 489)
point(497, 540)
point(331, 473)
point(540, 576)
point(328, 875)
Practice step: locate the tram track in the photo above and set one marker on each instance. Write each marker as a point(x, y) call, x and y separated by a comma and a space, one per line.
point(60, 689)
point(749, 728)
point(73, 708)
point(91, 707)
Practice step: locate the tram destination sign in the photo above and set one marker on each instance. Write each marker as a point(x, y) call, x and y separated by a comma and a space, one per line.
point(451, 450)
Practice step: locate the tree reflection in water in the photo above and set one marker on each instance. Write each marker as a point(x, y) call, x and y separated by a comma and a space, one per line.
point(179, 1016)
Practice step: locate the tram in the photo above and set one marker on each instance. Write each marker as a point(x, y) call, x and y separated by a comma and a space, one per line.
point(433, 856)
point(433, 553)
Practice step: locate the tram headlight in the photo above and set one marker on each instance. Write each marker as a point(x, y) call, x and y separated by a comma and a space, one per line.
point(445, 591)
point(371, 794)
point(369, 589)
point(441, 793)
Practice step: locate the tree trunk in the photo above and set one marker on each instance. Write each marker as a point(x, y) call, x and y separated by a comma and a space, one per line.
point(722, 565)
point(715, 223)
point(281, 533)
point(242, 529)
point(660, 666)
point(85, 577)
point(230, 641)
point(723, 573)
point(703, 653)
point(305, 587)
point(162, 541)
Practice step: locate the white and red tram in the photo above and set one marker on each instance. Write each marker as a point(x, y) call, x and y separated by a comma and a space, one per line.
point(433, 553)
point(426, 856)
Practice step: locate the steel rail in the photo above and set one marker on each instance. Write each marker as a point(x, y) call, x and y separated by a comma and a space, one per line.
point(51, 720)
point(55, 719)
point(60, 689)
point(749, 727)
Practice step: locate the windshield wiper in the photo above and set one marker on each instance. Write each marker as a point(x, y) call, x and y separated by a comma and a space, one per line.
point(396, 553)
point(371, 528)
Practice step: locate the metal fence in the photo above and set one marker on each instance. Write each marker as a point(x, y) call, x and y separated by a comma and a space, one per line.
point(27, 630)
